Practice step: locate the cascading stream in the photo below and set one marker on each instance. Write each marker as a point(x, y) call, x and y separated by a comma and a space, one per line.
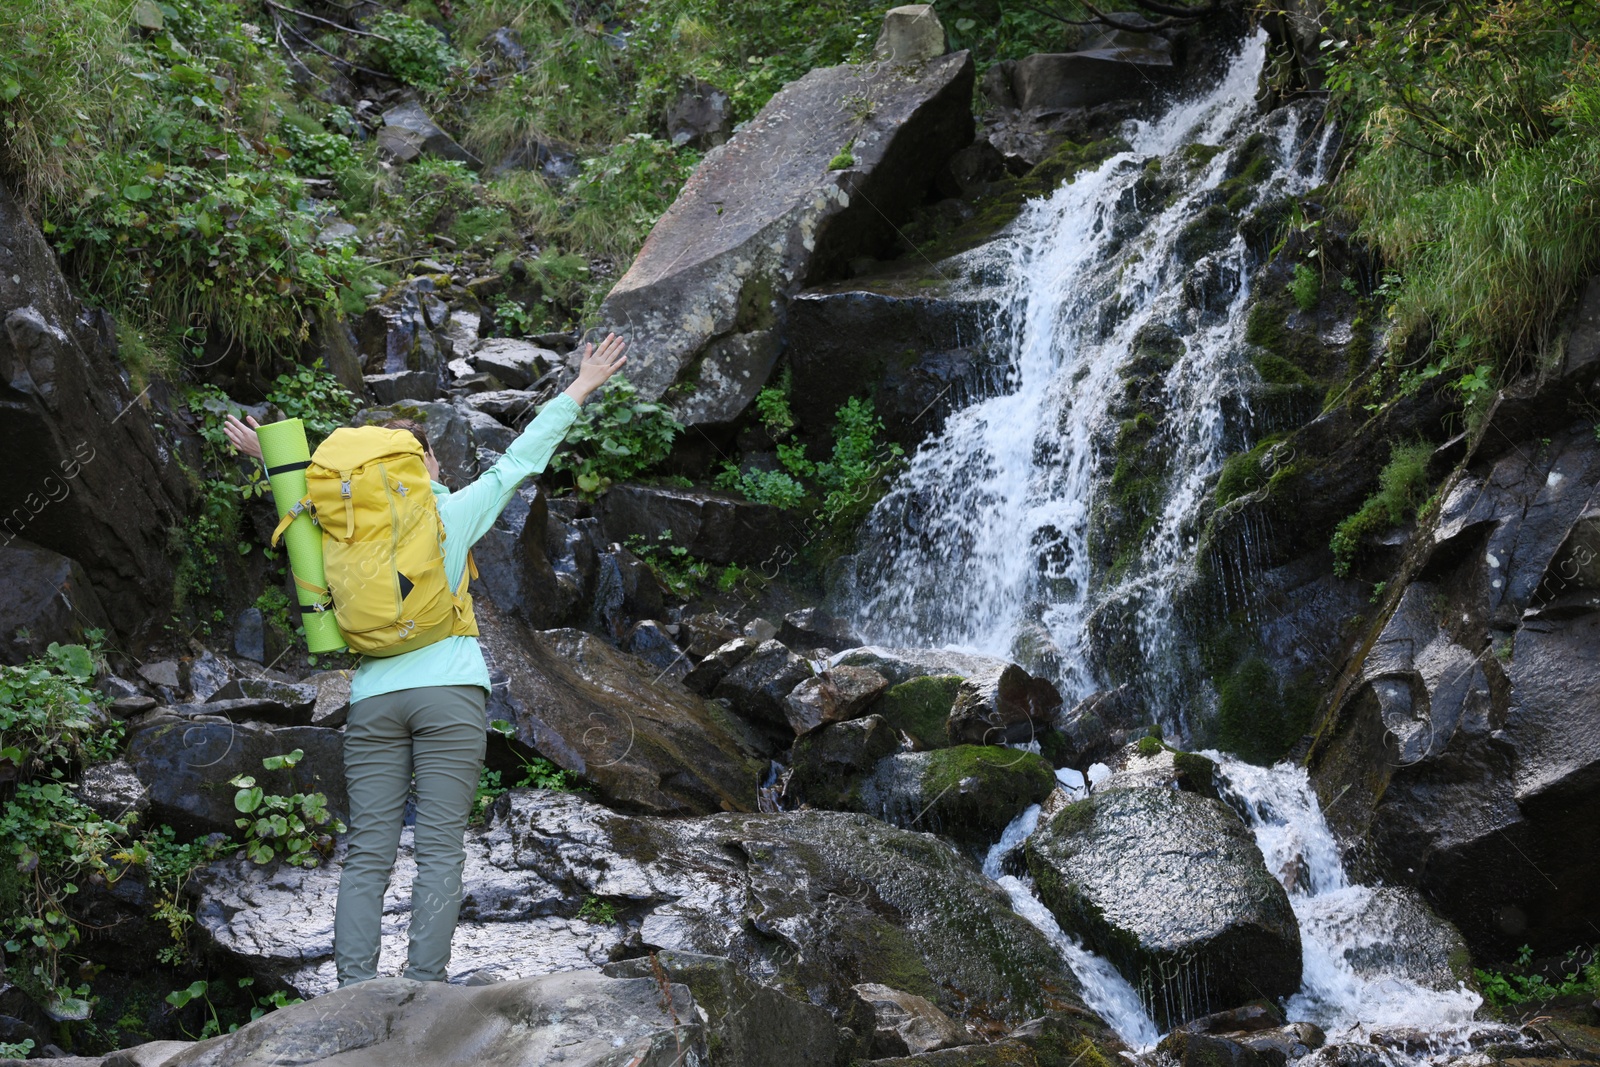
point(987, 535)
point(1336, 925)
point(1336, 919)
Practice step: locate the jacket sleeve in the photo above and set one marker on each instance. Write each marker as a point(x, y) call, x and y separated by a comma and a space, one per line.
point(470, 512)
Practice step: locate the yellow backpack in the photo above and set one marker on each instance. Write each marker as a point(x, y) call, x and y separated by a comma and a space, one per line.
point(382, 543)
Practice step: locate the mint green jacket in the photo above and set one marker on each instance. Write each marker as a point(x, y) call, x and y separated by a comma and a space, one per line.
point(468, 514)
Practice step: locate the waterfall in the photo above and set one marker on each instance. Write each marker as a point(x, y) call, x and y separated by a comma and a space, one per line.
point(1337, 927)
point(1337, 921)
point(986, 537)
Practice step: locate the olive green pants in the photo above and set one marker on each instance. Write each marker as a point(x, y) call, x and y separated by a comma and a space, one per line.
point(435, 733)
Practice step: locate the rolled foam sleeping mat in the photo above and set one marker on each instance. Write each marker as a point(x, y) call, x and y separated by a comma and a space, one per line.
point(286, 455)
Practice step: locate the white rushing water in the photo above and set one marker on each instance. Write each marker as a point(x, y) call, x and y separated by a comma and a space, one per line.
point(1336, 927)
point(1337, 922)
point(986, 537)
point(1105, 991)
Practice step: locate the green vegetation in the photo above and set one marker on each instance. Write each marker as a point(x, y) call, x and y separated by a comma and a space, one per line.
point(298, 829)
point(1474, 176)
point(921, 708)
point(1401, 485)
point(1576, 975)
point(842, 488)
point(1150, 747)
point(411, 50)
point(1306, 287)
point(1258, 717)
point(595, 910)
point(617, 436)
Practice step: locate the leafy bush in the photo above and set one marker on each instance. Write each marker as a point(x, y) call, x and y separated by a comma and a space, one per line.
point(411, 50)
point(1306, 287)
point(599, 911)
point(1401, 484)
point(617, 436)
point(297, 828)
point(51, 716)
point(677, 571)
point(1578, 975)
point(315, 397)
point(1480, 139)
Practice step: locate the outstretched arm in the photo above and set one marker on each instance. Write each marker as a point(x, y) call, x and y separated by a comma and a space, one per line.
point(470, 512)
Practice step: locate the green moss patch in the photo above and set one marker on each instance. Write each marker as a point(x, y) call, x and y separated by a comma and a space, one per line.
point(920, 708)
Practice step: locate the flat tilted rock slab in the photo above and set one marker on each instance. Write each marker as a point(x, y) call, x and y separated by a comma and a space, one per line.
point(764, 213)
point(582, 1019)
point(1171, 888)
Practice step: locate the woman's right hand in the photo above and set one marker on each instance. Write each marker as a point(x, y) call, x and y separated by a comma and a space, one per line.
point(242, 437)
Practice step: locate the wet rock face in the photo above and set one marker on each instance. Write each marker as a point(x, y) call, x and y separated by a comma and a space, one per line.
point(584, 1019)
point(645, 741)
point(763, 214)
point(713, 526)
point(185, 765)
point(1171, 888)
point(812, 903)
point(1468, 733)
point(44, 597)
point(87, 476)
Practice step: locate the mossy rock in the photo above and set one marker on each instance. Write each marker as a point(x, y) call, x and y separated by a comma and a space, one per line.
point(969, 793)
point(920, 708)
point(1205, 233)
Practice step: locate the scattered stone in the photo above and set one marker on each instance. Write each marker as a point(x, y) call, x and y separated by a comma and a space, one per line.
point(1172, 889)
point(711, 670)
point(403, 385)
point(701, 116)
point(650, 641)
point(911, 34)
point(748, 1024)
point(1191, 1049)
point(509, 406)
point(207, 675)
point(643, 741)
point(265, 700)
point(908, 1025)
point(998, 702)
point(758, 685)
point(113, 790)
point(408, 133)
point(250, 635)
point(128, 707)
point(149, 1054)
point(714, 526)
point(516, 363)
point(701, 635)
point(332, 707)
point(760, 630)
point(1257, 1015)
point(832, 696)
point(763, 213)
point(181, 761)
point(163, 673)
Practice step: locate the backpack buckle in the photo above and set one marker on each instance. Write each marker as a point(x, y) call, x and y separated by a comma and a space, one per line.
point(406, 626)
point(344, 489)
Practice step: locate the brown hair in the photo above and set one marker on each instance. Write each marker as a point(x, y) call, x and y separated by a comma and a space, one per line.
point(413, 427)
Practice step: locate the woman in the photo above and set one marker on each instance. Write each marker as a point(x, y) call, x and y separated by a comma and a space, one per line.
point(421, 714)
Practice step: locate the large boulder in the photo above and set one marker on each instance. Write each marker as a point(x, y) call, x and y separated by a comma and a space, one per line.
point(645, 741)
point(829, 765)
point(185, 765)
point(765, 214)
point(582, 1019)
point(87, 476)
point(809, 903)
point(1171, 888)
point(1094, 76)
point(759, 686)
point(408, 132)
point(44, 597)
point(1466, 735)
